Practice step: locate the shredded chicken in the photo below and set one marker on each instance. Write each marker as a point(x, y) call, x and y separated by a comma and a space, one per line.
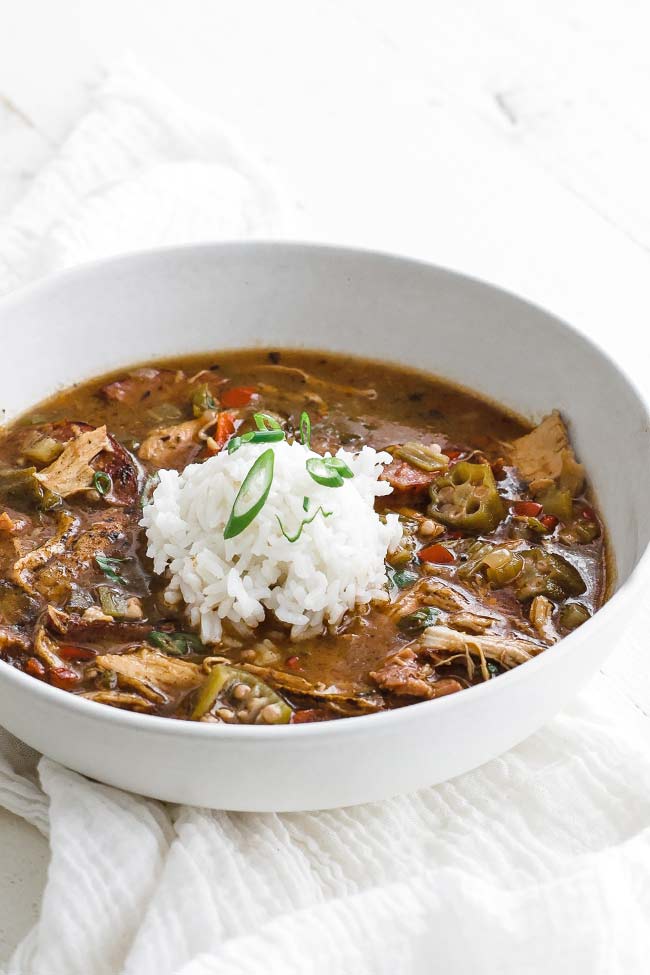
point(428, 592)
point(152, 674)
point(120, 699)
point(45, 648)
point(70, 472)
point(541, 610)
point(361, 699)
point(441, 596)
point(470, 622)
point(73, 562)
point(509, 652)
point(23, 570)
point(308, 379)
point(405, 674)
point(178, 445)
point(95, 615)
point(93, 626)
point(545, 455)
point(12, 639)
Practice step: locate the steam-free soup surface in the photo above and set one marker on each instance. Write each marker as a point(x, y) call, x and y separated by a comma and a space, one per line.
point(502, 550)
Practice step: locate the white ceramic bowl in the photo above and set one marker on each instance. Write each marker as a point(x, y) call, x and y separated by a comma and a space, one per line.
point(206, 298)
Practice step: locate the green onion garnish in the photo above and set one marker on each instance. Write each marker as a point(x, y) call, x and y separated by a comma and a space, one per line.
point(340, 466)
point(264, 436)
point(256, 436)
point(305, 521)
point(109, 567)
point(252, 495)
point(329, 471)
point(305, 504)
point(305, 429)
point(103, 483)
point(264, 421)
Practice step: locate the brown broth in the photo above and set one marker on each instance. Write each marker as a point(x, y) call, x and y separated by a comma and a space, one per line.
point(404, 405)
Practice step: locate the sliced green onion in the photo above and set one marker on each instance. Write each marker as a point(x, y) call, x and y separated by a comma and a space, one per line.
point(322, 473)
point(329, 471)
point(264, 421)
point(305, 504)
point(340, 466)
point(103, 483)
point(252, 495)
point(305, 521)
point(109, 567)
point(264, 436)
point(305, 429)
point(175, 644)
point(256, 436)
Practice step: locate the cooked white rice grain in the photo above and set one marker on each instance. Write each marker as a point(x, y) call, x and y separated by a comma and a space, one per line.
point(337, 563)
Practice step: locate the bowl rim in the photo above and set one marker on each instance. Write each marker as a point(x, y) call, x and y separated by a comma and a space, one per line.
point(361, 724)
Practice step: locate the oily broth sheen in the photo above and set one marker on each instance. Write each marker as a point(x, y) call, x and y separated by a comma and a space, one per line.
point(409, 405)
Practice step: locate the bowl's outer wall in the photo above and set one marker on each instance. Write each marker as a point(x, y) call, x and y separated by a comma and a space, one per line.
point(229, 296)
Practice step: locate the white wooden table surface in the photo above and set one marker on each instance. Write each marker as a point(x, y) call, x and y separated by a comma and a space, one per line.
point(508, 139)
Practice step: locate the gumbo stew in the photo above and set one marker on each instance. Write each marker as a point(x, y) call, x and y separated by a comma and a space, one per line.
point(501, 553)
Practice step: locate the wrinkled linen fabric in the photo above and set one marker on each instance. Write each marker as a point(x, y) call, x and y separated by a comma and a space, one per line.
point(538, 862)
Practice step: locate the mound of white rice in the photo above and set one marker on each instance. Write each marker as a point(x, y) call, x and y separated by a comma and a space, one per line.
point(337, 563)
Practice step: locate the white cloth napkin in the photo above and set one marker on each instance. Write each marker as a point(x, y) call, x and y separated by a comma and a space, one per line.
point(539, 862)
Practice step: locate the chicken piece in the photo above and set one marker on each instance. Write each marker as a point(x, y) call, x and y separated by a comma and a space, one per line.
point(152, 674)
point(114, 460)
point(120, 699)
point(545, 455)
point(17, 608)
point(406, 674)
point(71, 471)
point(178, 445)
point(23, 570)
point(93, 626)
point(74, 564)
point(507, 651)
point(142, 385)
point(308, 379)
point(12, 639)
point(541, 610)
point(470, 622)
point(358, 698)
point(428, 592)
point(442, 596)
point(45, 648)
